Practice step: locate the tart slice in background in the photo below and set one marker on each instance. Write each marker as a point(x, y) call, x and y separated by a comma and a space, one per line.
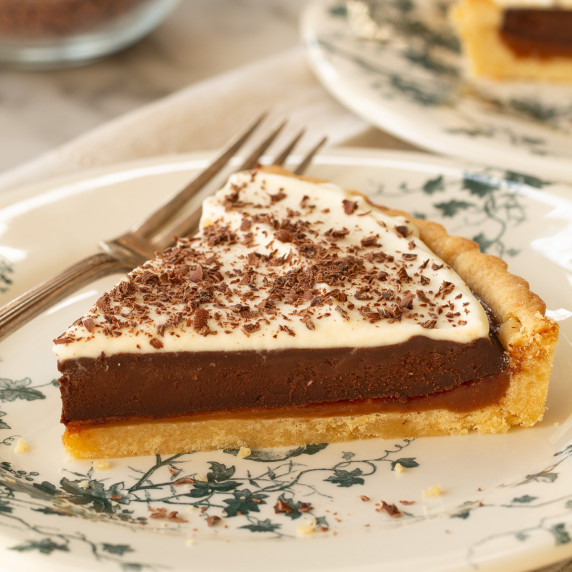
point(516, 39)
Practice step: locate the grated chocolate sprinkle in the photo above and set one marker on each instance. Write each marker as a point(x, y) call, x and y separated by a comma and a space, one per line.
point(389, 509)
point(402, 230)
point(284, 235)
point(200, 320)
point(370, 241)
point(280, 196)
point(196, 275)
point(349, 206)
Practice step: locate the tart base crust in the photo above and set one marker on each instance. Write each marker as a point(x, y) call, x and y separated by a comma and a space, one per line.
point(527, 335)
point(478, 24)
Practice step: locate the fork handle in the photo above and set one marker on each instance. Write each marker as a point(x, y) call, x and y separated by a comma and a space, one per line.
point(32, 303)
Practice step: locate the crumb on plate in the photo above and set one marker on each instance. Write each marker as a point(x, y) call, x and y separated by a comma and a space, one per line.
point(399, 468)
point(21, 447)
point(101, 465)
point(433, 491)
point(308, 528)
point(243, 452)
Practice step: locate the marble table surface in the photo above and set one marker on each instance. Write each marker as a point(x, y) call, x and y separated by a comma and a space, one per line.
point(41, 110)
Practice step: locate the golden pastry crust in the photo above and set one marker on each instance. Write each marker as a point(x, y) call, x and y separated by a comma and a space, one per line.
point(527, 335)
point(478, 24)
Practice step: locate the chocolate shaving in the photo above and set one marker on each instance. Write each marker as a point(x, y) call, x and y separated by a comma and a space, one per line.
point(402, 231)
point(250, 328)
point(363, 296)
point(282, 507)
point(196, 275)
point(185, 480)
point(336, 234)
point(445, 289)
point(402, 275)
point(127, 287)
point(349, 206)
point(406, 303)
point(392, 313)
point(370, 316)
point(409, 256)
point(390, 509)
point(104, 303)
point(343, 312)
point(284, 235)
point(370, 241)
point(245, 224)
point(200, 320)
point(146, 277)
point(423, 297)
point(341, 296)
point(88, 324)
point(278, 197)
point(162, 514)
point(213, 520)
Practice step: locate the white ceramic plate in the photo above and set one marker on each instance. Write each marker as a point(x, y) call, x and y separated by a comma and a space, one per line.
point(506, 501)
point(412, 84)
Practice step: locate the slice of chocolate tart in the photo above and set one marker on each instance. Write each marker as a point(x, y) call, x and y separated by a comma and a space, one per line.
point(303, 313)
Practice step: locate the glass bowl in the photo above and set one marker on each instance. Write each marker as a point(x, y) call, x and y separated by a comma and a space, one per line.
point(56, 33)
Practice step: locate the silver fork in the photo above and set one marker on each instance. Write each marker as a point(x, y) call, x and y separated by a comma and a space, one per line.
point(156, 232)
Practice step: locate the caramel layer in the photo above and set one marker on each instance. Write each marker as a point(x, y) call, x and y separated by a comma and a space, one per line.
point(163, 384)
point(538, 33)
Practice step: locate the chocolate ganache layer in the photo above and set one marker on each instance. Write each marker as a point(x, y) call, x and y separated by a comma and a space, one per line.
point(164, 384)
point(537, 32)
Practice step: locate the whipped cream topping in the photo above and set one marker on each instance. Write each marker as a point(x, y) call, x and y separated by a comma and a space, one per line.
point(280, 263)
